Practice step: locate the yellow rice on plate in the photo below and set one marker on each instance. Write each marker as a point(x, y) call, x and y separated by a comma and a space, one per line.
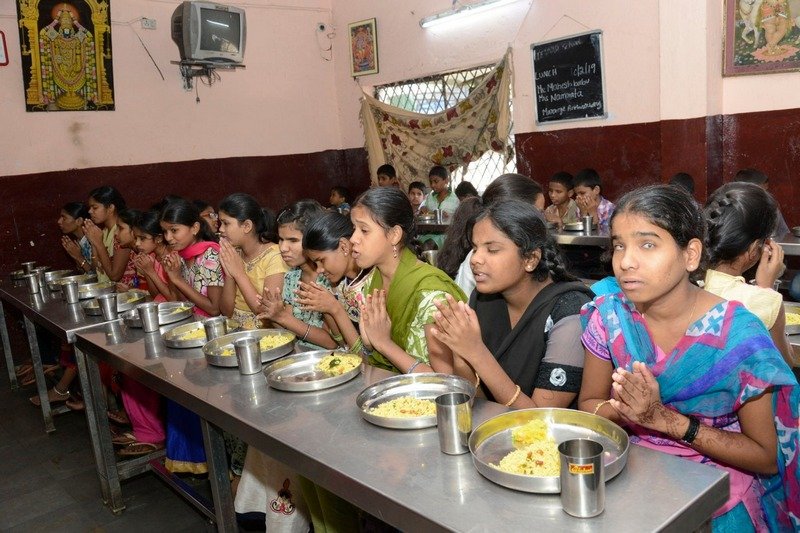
point(792, 319)
point(194, 335)
point(536, 453)
point(405, 407)
point(338, 364)
point(267, 342)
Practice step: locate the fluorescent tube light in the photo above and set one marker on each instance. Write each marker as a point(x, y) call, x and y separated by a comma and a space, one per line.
point(462, 11)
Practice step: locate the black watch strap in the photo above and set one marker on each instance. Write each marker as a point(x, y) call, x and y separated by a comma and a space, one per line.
point(691, 431)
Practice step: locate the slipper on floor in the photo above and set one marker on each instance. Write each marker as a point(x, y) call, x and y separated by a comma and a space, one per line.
point(119, 417)
point(53, 397)
point(23, 369)
point(75, 405)
point(125, 438)
point(137, 449)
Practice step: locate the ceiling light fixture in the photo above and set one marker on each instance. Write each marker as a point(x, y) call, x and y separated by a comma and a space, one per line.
point(462, 11)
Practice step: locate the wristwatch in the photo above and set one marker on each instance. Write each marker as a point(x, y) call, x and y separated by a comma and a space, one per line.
point(691, 431)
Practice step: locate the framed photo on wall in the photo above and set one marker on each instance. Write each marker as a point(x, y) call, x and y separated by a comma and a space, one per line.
point(761, 36)
point(3, 50)
point(363, 47)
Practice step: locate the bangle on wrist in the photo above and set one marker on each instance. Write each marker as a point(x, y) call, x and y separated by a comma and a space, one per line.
point(305, 336)
point(599, 405)
point(412, 367)
point(514, 398)
point(691, 431)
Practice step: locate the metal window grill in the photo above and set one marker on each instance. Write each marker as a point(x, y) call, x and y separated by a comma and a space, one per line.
point(434, 94)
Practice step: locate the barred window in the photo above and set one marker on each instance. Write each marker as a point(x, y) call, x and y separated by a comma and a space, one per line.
point(434, 94)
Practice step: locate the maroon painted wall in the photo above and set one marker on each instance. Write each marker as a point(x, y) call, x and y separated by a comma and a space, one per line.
point(711, 149)
point(31, 203)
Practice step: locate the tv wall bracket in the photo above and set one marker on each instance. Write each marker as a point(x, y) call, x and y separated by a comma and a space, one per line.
point(204, 69)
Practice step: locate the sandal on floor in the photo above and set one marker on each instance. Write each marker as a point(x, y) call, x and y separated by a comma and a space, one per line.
point(23, 369)
point(75, 404)
point(52, 395)
point(124, 438)
point(119, 417)
point(137, 449)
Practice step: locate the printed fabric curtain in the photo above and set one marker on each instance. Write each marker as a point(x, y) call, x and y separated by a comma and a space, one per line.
point(414, 142)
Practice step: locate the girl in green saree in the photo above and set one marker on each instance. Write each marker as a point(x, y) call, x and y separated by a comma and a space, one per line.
point(398, 308)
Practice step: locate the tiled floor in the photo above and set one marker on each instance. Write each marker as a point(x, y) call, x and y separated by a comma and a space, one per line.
point(48, 482)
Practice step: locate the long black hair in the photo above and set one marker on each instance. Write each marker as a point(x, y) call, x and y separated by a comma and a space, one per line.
point(390, 207)
point(184, 212)
point(130, 217)
point(523, 224)
point(149, 223)
point(300, 213)
point(76, 210)
point(325, 231)
point(738, 215)
point(242, 207)
point(457, 243)
point(107, 196)
point(512, 186)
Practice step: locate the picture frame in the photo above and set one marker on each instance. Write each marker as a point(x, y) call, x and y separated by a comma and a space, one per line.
point(3, 50)
point(363, 47)
point(761, 37)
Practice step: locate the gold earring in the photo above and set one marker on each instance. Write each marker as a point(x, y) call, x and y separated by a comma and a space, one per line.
point(394, 250)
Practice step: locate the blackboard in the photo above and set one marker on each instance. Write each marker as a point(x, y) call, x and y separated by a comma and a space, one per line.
point(568, 78)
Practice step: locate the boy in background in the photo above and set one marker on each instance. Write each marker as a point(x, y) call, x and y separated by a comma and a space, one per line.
point(563, 209)
point(588, 196)
point(338, 199)
point(387, 176)
point(416, 195)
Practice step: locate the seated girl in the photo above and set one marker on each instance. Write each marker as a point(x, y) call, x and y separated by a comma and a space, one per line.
point(250, 257)
point(308, 325)
point(74, 240)
point(151, 250)
point(326, 241)
point(110, 260)
point(687, 372)
point(397, 316)
point(741, 217)
point(521, 330)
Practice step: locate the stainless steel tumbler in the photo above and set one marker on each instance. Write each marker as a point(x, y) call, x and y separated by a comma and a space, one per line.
point(248, 354)
point(148, 313)
point(583, 482)
point(454, 422)
point(215, 327)
point(108, 305)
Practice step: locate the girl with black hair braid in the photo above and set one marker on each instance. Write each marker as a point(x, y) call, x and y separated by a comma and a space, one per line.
point(521, 330)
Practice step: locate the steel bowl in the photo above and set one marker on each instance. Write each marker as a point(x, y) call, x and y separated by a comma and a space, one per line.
point(125, 301)
point(53, 275)
point(56, 284)
point(299, 373)
point(796, 231)
point(220, 351)
point(17, 275)
point(93, 290)
point(168, 313)
point(491, 441)
point(425, 386)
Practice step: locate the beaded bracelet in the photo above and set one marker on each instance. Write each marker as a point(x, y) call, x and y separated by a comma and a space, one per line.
point(514, 398)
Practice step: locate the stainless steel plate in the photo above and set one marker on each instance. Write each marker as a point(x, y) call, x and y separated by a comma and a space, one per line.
point(92, 290)
point(168, 312)
point(214, 349)
point(125, 301)
point(426, 386)
point(491, 441)
point(18, 275)
point(53, 275)
point(576, 226)
point(56, 284)
point(175, 337)
point(796, 231)
point(792, 307)
point(298, 372)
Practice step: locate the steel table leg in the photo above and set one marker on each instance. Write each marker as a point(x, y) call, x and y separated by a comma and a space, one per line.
point(12, 374)
point(218, 477)
point(99, 431)
point(38, 371)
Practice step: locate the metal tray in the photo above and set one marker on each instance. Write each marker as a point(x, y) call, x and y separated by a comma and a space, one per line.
point(125, 301)
point(53, 275)
point(172, 338)
point(491, 441)
point(18, 275)
point(55, 285)
point(298, 372)
point(93, 290)
point(213, 350)
point(792, 307)
point(577, 226)
point(796, 231)
point(167, 314)
point(426, 386)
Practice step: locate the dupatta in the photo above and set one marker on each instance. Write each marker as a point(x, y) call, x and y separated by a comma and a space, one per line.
point(410, 278)
point(192, 253)
point(725, 359)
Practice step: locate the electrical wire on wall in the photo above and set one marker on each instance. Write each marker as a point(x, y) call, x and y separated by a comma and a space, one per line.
point(130, 25)
point(324, 35)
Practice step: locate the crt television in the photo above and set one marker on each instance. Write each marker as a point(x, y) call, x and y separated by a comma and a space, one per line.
point(206, 31)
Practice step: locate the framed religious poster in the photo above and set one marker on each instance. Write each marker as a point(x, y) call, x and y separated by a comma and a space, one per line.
point(66, 54)
point(761, 36)
point(363, 48)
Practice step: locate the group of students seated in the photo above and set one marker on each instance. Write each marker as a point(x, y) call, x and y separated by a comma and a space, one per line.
point(702, 373)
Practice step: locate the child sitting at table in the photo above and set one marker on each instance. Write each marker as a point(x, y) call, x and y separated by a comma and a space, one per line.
point(151, 250)
point(588, 196)
point(687, 372)
point(416, 195)
point(563, 209)
point(387, 176)
point(338, 199)
point(110, 261)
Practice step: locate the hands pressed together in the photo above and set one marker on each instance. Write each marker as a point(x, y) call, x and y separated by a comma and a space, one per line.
point(457, 326)
point(375, 326)
point(315, 297)
point(637, 396)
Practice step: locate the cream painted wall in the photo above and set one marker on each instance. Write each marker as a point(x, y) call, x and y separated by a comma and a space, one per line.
point(284, 102)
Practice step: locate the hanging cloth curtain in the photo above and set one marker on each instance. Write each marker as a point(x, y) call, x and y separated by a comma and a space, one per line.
point(413, 142)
